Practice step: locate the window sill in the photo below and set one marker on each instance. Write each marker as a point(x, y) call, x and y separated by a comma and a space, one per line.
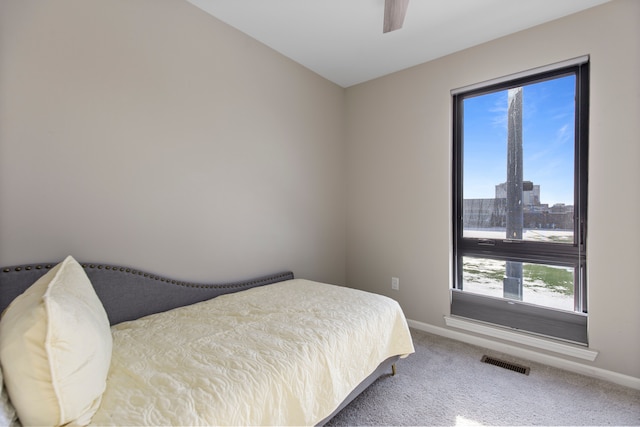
point(522, 338)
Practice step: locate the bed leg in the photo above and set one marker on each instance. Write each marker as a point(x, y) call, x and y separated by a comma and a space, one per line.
point(393, 370)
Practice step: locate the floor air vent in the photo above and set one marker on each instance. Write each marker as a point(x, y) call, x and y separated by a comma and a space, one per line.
point(506, 365)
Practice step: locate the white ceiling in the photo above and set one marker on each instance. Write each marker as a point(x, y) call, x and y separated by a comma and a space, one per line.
point(342, 40)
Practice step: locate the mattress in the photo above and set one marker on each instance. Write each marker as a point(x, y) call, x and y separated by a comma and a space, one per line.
point(283, 354)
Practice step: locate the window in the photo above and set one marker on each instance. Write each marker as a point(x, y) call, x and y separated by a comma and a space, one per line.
point(520, 201)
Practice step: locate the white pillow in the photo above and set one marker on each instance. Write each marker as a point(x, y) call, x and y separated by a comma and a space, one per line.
point(55, 348)
point(7, 411)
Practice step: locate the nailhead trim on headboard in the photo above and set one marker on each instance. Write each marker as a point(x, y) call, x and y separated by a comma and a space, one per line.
point(144, 274)
point(26, 268)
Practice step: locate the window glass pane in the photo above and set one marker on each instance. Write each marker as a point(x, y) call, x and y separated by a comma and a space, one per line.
point(545, 285)
point(518, 162)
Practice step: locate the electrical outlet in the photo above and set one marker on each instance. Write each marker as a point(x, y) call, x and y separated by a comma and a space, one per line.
point(395, 283)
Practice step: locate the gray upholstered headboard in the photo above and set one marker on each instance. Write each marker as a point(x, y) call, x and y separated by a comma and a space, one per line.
point(127, 293)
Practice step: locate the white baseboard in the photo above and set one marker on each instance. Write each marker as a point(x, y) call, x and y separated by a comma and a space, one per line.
point(534, 356)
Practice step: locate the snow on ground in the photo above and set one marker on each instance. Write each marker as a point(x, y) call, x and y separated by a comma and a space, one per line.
point(534, 292)
point(540, 235)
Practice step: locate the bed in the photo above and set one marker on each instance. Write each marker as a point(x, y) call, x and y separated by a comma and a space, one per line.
point(95, 344)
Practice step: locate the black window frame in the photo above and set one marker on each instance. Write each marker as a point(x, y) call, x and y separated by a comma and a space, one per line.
point(564, 325)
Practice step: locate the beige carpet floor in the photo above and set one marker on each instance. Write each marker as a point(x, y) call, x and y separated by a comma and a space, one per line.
point(445, 384)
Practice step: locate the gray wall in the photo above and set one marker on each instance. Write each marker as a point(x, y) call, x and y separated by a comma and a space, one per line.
point(149, 133)
point(399, 172)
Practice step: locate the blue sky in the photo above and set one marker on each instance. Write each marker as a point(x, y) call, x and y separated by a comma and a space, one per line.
point(548, 122)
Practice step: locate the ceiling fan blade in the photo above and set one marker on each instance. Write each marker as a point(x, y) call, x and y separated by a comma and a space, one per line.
point(394, 12)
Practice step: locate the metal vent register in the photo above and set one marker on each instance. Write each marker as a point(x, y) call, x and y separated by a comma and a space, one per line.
point(506, 365)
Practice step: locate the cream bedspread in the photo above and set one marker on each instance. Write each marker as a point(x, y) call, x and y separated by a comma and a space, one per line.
point(282, 354)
